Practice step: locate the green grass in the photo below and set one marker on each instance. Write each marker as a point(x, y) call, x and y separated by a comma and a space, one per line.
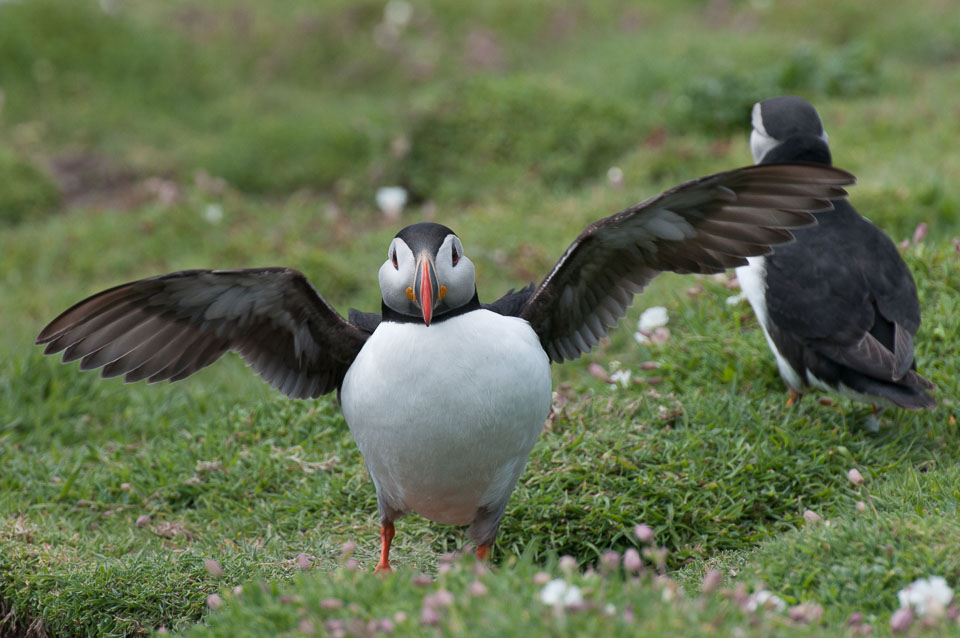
point(502, 120)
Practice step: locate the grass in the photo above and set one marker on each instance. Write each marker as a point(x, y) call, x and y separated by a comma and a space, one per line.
point(503, 121)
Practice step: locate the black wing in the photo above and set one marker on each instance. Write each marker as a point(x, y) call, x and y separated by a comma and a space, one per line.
point(366, 321)
point(170, 326)
point(844, 291)
point(702, 226)
point(512, 303)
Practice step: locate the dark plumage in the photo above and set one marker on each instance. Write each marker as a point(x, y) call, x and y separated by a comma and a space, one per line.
point(839, 306)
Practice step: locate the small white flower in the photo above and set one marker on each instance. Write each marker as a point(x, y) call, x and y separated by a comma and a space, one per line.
point(623, 377)
point(391, 200)
point(615, 176)
point(653, 318)
point(925, 594)
point(213, 213)
point(660, 335)
point(558, 592)
point(398, 13)
point(765, 599)
point(734, 300)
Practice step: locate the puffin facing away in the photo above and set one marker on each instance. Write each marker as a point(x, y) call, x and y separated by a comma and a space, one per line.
point(838, 307)
point(444, 396)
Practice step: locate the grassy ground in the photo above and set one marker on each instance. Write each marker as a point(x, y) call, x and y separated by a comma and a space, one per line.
point(139, 138)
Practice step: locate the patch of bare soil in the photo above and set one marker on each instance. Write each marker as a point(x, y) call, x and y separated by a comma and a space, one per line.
point(91, 180)
point(13, 627)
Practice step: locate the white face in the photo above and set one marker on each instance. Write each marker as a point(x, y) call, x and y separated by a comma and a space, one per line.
point(455, 273)
point(760, 142)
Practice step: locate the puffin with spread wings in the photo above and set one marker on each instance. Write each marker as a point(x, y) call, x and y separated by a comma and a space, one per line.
point(444, 395)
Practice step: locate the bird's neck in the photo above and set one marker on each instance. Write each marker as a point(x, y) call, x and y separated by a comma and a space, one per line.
point(389, 314)
point(800, 148)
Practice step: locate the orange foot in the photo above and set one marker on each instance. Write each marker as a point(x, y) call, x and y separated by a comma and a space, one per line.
point(794, 397)
point(483, 552)
point(387, 532)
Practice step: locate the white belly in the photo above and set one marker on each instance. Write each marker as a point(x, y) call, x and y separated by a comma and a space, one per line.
point(445, 416)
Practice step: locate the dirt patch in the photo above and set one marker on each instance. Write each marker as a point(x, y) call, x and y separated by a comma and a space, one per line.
point(13, 627)
point(92, 180)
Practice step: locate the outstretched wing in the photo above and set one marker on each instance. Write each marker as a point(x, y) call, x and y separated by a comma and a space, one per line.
point(170, 326)
point(702, 226)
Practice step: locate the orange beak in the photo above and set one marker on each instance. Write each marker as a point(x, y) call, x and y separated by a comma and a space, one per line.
point(425, 287)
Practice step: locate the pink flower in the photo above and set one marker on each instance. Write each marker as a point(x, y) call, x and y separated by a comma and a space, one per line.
point(855, 477)
point(303, 562)
point(213, 568)
point(632, 561)
point(331, 603)
point(901, 620)
point(609, 561)
point(420, 580)
point(643, 533)
point(428, 616)
point(568, 563)
point(711, 581)
point(920, 232)
point(439, 598)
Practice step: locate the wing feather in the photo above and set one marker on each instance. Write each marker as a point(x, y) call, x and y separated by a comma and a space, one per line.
point(169, 327)
point(702, 226)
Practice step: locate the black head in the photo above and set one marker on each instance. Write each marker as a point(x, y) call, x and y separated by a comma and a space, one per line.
point(425, 237)
point(788, 129)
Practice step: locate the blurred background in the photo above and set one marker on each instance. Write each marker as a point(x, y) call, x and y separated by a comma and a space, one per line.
point(142, 137)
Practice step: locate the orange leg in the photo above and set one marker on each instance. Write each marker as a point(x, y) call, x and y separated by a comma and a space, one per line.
point(794, 397)
point(386, 537)
point(483, 552)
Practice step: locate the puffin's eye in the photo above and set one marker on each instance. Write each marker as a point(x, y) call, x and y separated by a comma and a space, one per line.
point(393, 258)
point(456, 255)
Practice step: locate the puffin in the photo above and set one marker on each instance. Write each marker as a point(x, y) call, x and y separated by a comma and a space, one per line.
point(444, 395)
point(838, 306)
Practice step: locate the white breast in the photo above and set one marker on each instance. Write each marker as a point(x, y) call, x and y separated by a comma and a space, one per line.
point(752, 278)
point(445, 416)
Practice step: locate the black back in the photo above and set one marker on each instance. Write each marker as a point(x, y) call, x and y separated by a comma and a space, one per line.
point(841, 280)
